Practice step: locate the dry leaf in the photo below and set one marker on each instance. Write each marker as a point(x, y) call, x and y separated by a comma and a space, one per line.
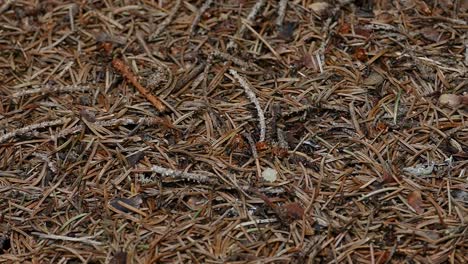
point(362, 32)
point(88, 115)
point(261, 146)
point(320, 8)
point(293, 211)
point(430, 33)
point(373, 79)
point(280, 152)
point(415, 201)
point(453, 100)
point(388, 178)
point(360, 54)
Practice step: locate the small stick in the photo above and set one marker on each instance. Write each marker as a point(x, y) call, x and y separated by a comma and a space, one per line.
point(166, 21)
point(120, 66)
point(254, 100)
point(5, 6)
point(200, 12)
point(51, 89)
point(30, 128)
point(147, 121)
point(281, 11)
point(85, 240)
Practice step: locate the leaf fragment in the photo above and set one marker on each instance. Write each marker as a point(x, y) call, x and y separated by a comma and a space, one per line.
point(415, 201)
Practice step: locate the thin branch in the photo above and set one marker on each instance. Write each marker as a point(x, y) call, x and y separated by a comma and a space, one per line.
point(85, 240)
point(281, 12)
point(6, 5)
point(147, 121)
point(120, 66)
point(52, 89)
point(253, 98)
point(32, 127)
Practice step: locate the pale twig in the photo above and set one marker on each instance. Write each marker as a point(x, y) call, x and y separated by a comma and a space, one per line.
point(32, 127)
point(177, 174)
point(85, 240)
point(251, 95)
point(131, 121)
point(51, 89)
point(281, 11)
point(166, 21)
point(250, 18)
point(5, 6)
point(148, 121)
point(200, 12)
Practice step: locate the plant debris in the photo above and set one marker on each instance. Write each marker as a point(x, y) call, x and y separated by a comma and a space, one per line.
point(233, 131)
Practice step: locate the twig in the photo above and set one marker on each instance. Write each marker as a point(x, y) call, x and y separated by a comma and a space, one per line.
point(281, 11)
point(51, 89)
point(253, 99)
point(250, 18)
point(85, 240)
point(130, 76)
point(200, 12)
point(32, 127)
point(5, 6)
point(166, 21)
point(148, 121)
point(176, 174)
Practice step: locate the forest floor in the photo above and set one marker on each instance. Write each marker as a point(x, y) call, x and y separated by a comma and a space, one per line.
point(234, 131)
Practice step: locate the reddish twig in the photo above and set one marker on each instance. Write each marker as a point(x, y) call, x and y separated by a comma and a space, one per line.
point(120, 66)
